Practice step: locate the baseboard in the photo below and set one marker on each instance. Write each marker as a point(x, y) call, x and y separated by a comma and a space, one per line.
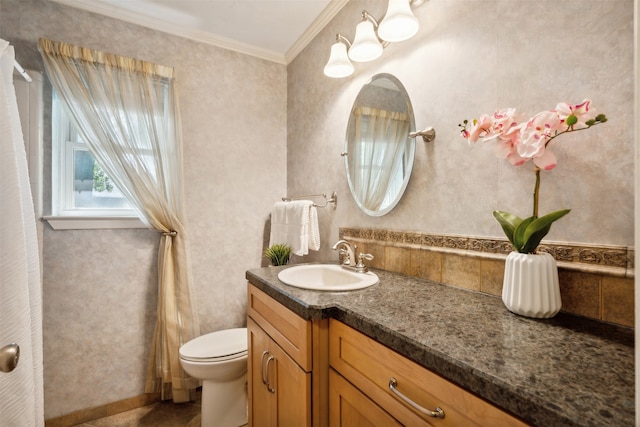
point(90, 414)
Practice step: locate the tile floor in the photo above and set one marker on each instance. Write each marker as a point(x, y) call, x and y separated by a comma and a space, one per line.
point(159, 414)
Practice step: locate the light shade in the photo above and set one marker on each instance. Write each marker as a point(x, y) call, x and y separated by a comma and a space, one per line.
point(339, 64)
point(366, 46)
point(398, 24)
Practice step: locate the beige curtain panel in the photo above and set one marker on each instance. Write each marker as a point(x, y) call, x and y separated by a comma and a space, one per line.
point(127, 113)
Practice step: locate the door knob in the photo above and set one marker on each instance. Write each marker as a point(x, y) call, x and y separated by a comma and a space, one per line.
point(9, 355)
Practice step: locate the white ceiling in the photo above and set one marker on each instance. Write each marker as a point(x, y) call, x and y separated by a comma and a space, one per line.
point(276, 30)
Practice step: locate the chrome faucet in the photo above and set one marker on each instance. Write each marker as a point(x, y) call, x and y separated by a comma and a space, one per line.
point(349, 258)
point(347, 252)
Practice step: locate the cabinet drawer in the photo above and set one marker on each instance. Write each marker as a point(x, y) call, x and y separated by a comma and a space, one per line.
point(370, 366)
point(289, 330)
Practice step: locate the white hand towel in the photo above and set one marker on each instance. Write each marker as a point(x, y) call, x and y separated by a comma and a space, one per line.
point(314, 230)
point(295, 223)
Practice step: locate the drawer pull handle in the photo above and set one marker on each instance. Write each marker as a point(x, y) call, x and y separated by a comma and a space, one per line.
point(438, 413)
point(271, 389)
point(264, 381)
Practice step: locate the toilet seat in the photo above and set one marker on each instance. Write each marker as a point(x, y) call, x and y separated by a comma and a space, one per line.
point(217, 346)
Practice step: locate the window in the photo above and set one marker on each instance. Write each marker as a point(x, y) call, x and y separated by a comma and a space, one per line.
point(80, 188)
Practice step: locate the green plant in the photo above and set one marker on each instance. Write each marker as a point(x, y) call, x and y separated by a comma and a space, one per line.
point(278, 254)
point(101, 181)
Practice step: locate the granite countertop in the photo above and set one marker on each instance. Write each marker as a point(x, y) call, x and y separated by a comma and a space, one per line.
point(565, 371)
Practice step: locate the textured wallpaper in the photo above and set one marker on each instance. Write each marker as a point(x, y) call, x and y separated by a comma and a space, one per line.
point(255, 131)
point(471, 57)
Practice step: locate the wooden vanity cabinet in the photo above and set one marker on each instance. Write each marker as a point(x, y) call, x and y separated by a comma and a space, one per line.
point(360, 392)
point(288, 365)
point(324, 373)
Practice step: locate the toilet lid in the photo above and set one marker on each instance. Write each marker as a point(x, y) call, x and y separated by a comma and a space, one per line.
point(226, 344)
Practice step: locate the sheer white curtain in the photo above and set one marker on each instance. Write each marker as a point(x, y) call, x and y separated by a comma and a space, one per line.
point(126, 111)
point(21, 391)
point(383, 135)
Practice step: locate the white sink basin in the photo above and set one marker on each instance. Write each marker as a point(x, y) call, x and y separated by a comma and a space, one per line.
point(326, 277)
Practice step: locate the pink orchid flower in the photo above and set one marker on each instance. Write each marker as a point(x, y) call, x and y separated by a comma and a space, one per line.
point(534, 137)
point(480, 128)
point(521, 142)
point(506, 146)
point(504, 122)
point(582, 112)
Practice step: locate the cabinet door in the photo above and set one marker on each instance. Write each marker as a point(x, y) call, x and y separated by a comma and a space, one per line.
point(279, 390)
point(262, 403)
point(348, 406)
point(292, 389)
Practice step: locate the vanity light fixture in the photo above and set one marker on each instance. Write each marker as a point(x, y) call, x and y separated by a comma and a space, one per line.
point(339, 64)
point(366, 44)
point(399, 23)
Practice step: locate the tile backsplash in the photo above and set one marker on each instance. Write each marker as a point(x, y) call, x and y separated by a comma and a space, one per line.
point(595, 281)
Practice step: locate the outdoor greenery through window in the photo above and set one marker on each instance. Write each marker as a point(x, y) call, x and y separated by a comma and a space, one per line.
point(80, 186)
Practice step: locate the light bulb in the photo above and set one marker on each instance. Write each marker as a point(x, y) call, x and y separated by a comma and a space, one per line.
point(399, 23)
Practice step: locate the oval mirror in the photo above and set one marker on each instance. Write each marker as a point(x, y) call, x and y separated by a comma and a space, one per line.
point(379, 151)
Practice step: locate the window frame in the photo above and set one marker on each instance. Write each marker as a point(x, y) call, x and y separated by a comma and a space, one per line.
point(63, 214)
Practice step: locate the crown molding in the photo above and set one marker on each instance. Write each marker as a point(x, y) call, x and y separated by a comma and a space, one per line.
point(115, 12)
point(329, 12)
point(171, 28)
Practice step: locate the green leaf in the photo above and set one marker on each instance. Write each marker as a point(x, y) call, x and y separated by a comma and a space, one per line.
point(532, 243)
point(542, 223)
point(519, 233)
point(509, 222)
point(526, 234)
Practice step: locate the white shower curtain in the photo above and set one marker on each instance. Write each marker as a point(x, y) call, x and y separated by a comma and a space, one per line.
point(21, 391)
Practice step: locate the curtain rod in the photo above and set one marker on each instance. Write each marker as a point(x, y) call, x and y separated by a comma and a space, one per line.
point(22, 72)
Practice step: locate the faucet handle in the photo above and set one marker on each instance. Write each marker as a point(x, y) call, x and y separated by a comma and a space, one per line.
point(360, 265)
point(362, 256)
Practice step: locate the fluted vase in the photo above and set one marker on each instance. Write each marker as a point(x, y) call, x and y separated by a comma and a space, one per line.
point(531, 287)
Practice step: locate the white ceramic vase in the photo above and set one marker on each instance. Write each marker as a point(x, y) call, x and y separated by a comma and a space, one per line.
point(531, 286)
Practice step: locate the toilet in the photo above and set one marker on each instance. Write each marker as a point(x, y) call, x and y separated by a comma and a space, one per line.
point(219, 359)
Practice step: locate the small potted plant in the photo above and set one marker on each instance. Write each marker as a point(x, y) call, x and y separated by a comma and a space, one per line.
point(278, 254)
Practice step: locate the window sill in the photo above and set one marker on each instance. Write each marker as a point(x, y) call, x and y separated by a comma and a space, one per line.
point(93, 223)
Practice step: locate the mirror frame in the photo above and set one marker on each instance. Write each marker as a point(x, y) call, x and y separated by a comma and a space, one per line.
point(411, 152)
